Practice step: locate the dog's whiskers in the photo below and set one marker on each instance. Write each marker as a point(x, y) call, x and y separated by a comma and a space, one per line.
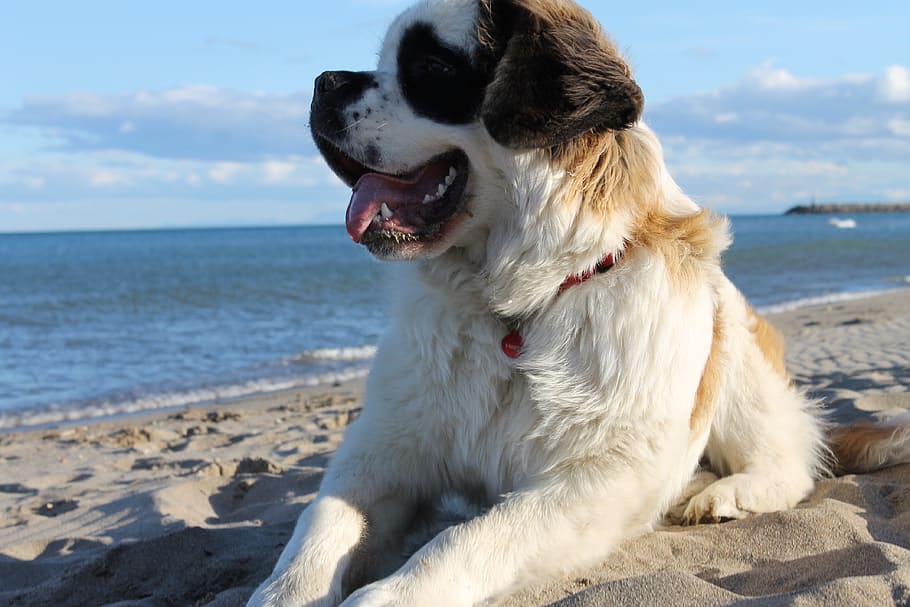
point(352, 125)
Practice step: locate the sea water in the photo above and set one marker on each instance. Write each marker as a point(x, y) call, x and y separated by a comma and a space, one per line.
point(101, 323)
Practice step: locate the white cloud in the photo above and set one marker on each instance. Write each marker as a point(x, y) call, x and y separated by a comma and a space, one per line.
point(895, 86)
point(55, 176)
point(79, 104)
point(204, 95)
point(774, 139)
point(771, 104)
point(224, 172)
point(697, 168)
point(768, 77)
point(771, 139)
point(106, 178)
point(900, 127)
point(277, 171)
point(197, 121)
point(771, 177)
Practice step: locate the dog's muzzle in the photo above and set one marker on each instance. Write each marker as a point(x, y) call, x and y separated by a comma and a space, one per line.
point(332, 93)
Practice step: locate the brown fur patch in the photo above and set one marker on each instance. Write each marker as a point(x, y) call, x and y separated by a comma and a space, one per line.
point(556, 74)
point(709, 386)
point(851, 446)
point(607, 171)
point(770, 342)
point(686, 244)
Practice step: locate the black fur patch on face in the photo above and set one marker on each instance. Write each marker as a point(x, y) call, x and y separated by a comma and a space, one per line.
point(439, 82)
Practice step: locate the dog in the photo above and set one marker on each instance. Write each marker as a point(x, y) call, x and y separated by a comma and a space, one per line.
point(563, 347)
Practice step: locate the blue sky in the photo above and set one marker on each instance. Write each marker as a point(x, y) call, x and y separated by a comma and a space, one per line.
point(129, 115)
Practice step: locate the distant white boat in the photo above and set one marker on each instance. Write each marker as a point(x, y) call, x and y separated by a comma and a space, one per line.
point(837, 222)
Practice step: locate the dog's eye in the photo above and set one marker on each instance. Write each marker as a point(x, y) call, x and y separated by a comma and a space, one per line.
point(435, 65)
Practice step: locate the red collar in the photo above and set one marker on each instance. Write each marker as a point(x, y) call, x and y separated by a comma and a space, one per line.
point(602, 266)
point(512, 343)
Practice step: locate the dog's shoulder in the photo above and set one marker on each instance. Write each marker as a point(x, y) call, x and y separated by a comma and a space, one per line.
point(689, 246)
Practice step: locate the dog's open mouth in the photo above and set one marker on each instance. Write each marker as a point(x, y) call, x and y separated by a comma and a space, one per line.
point(388, 210)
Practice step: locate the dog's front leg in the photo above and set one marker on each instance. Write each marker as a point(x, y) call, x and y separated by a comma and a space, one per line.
point(529, 536)
point(311, 568)
point(341, 539)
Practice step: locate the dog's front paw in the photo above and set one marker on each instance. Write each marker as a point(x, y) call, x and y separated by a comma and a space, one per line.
point(677, 512)
point(715, 504)
point(280, 592)
point(741, 495)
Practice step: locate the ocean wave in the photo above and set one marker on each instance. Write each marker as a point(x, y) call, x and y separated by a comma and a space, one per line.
point(72, 412)
point(334, 354)
point(820, 300)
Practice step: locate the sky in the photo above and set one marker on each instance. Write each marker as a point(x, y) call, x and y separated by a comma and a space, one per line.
point(118, 115)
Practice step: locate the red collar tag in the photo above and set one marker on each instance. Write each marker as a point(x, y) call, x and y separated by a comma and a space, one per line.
point(512, 343)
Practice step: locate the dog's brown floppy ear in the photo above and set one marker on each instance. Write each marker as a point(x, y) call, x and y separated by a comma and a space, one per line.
point(556, 76)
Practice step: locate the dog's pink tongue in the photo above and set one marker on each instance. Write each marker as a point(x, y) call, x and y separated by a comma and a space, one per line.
point(370, 191)
point(374, 189)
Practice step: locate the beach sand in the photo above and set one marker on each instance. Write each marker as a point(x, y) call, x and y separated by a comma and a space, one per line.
point(193, 507)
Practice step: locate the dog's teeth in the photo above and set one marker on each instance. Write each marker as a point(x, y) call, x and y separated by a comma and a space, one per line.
point(428, 199)
point(385, 211)
point(440, 190)
point(449, 180)
point(453, 173)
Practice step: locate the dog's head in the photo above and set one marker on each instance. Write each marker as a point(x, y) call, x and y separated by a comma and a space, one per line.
point(463, 88)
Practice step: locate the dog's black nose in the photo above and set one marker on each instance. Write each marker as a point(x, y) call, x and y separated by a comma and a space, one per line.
point(333, 93)
point(328, 83)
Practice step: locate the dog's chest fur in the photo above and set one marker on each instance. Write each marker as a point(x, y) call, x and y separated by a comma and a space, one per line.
point(491, 423)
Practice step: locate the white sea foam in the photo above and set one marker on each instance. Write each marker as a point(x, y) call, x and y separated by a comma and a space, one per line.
point(60, 413)
point(335, 354)
point(820, 300)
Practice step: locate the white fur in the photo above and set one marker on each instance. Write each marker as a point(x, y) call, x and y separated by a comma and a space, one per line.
point(582, 441)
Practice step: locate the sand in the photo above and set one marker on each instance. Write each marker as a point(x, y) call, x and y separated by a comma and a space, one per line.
point(193, 507)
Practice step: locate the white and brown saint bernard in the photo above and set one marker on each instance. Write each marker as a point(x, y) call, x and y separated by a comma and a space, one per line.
point(563, 349)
